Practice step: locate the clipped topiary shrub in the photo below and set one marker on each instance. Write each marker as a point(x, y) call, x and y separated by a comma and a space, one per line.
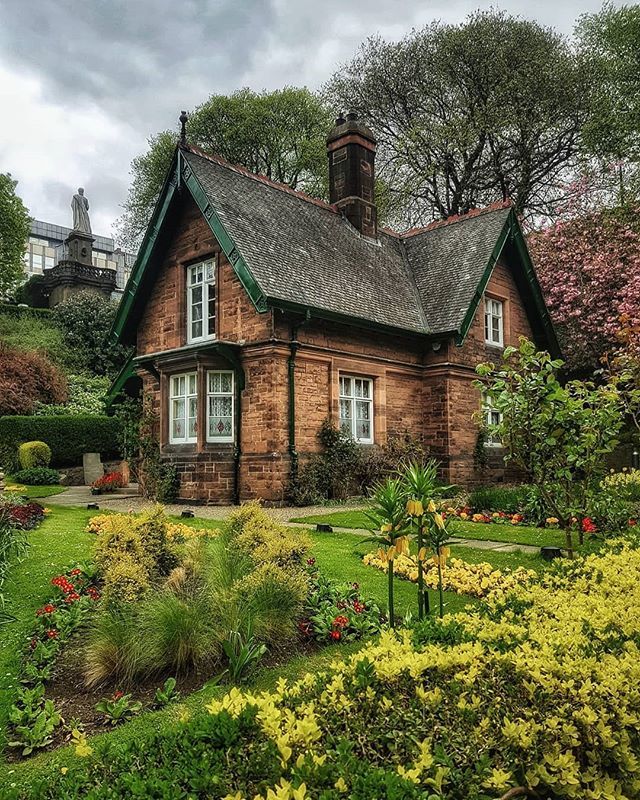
point(67, 436)
point(34, 454)
point(37, 476)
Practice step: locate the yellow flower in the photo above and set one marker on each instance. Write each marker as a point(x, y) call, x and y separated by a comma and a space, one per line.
point(64, 770)
point(415, 508)
point(439, 521)
point(386, 528)
point(431, 508)
point(552, 520)
point(340, 785)
point(464, 515)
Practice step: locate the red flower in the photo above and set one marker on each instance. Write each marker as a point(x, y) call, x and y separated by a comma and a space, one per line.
point(340, 621)
point(48, 609)
point(305, 627)
point(117, 694)
point(335, 635)
point(358, 607)
point(76, 571)
point(311, 561)
point(633, 522)
point(52, 633)
point(588, 525)
point(33, 643)
point(71, 598)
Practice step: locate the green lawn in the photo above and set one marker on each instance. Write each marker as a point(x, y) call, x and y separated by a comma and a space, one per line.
point(36, 491)
point(516, 534)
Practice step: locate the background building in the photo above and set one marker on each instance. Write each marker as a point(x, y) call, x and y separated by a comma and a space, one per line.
point(46, 248)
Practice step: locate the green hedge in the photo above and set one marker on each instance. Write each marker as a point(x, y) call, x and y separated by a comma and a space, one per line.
point(67, 436)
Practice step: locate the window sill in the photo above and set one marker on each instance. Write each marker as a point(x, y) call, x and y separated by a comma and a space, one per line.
point(494, 346)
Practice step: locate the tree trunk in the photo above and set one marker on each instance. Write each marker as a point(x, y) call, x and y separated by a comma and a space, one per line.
point(392, 622)
point(567, 533)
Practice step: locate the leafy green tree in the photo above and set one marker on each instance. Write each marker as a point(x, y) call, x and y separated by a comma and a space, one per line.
point(559, 435)
point(609, 47)
point(86, 319)
point(280, 134)
point(15, 224)
point(468, 114)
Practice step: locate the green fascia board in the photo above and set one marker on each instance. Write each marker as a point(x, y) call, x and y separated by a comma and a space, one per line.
point(358, 322)
point(227, 244)
point(512, 231)
point(147, 247)
point(128, 371)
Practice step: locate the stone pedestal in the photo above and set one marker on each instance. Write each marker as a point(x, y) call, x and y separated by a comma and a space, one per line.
point(76, 273)
point(93, 468)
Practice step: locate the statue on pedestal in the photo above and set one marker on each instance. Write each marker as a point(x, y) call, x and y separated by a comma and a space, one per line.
point(80, 207)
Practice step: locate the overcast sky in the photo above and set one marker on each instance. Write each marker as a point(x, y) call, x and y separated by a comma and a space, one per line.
point(83, 83)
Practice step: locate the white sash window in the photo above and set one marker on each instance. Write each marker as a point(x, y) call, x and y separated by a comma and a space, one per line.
point(183, 408)
point(201, 301)
point(356, 408)
point(493, 321)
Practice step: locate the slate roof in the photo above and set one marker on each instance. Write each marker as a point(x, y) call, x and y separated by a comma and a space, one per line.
point(302, 251)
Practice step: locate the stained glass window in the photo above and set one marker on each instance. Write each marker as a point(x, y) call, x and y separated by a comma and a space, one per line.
point(493, 319)
point(201, 301)
point(183, 408)
point(356, 408)
point(220, 405)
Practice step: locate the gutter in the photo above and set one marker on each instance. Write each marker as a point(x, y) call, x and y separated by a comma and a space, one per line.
point(294, 345)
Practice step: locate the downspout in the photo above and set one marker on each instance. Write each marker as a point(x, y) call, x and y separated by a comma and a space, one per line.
point(291, 367)
point(237, 450)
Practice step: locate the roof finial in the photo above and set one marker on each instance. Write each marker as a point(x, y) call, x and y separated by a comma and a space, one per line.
point(183, 130)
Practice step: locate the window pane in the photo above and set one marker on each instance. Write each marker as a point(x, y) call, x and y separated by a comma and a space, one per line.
point(363, 429)
point(214, 382)
point(196, 330)
point(345, 387)
point(226, 381)
point(362, 410)
point(209, 275)
point(192, 384)
point(345, 410)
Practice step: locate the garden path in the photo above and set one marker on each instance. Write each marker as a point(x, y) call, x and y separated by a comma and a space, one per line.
point(128, 500)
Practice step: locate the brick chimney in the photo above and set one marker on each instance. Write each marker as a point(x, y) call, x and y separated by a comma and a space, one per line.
point(351, 148)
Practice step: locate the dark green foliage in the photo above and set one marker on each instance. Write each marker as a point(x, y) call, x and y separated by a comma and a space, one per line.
point(68, 437)
point(31, 292)
point(37, 476)
point(14, 231)
point(85, 320)
point(511, 499)
point(332, 473)
point(168, 484)
point(382, 461)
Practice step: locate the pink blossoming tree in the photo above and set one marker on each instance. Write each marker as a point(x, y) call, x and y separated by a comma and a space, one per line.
point(589, 269)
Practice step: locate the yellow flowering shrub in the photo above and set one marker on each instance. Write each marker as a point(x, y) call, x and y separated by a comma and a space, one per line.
point(625, 484)
point(457, 575)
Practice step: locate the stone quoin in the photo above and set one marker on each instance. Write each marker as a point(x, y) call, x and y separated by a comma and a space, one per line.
point(257, 312)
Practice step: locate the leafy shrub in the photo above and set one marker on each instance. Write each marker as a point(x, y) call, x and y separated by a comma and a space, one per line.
point(330, 474)
point(107, 483)
point(34, 454)
point(34, 330)
point(37, 476)
point(336, 612)
point(86, 319)
point(125, 581)
point(270, 586)
point(625, 484)
point(265, 541)
point(383, 461)
point(26, 517)
point(27, 378)
point(68, 437)
point(13, 545)
point(85, 395)
point(167, 484)
point(510, 499)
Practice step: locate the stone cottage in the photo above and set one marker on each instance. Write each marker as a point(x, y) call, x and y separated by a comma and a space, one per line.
point(257, 312)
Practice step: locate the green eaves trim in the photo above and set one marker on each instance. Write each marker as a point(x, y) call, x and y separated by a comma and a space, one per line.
point(484, 280)
point(512, 229)
point(226, 242)
point(128, 371)
point(146, 249)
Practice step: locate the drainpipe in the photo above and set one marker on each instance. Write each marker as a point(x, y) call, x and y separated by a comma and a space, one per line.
point(237, 450)
point(291, 366)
